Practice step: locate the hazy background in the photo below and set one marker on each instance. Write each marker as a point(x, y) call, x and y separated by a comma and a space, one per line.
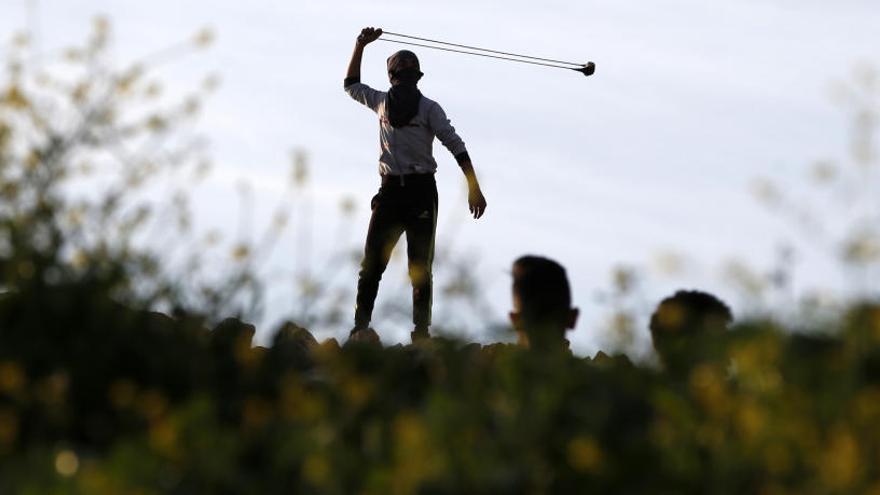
point(650, 159)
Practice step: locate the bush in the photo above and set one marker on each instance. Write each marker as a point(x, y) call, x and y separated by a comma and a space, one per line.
point(99, 398)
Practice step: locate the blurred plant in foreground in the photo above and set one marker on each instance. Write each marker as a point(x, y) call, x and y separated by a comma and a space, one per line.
point(840, 213)
point(96, 168)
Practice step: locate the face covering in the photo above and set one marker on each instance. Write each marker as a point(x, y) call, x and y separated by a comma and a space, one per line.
point(404, 96)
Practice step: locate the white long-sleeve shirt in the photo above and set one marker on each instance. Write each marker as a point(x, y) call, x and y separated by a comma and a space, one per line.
point(409, 149)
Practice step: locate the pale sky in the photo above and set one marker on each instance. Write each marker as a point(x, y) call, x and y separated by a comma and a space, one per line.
point(691, 101)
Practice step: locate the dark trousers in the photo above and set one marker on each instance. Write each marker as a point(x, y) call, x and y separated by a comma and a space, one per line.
point(407, 204)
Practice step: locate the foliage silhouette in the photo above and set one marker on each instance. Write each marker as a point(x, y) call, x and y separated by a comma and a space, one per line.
point(837, 214)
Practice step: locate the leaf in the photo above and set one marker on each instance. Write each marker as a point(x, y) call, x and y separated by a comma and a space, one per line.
point(300, 167)
point(15, 98)
point(241, 252)
point(204, 38)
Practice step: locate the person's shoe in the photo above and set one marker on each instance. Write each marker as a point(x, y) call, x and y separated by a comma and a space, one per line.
point(363, 335)
point(420, 334)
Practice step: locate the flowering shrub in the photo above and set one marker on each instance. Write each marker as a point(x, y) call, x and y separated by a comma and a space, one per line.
point(99, 398)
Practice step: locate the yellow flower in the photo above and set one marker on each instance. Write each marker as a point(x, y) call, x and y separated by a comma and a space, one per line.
point(12, 378)
point(584, 455)
point(66, 463)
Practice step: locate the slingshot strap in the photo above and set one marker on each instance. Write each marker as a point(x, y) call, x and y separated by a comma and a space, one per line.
point(578, 68)
point(478, 49)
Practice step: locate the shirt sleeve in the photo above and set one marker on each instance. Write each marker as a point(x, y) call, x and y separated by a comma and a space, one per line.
point(364, 94)
point(444, 131)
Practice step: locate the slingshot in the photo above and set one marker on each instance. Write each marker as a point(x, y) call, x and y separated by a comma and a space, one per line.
point(586, 69)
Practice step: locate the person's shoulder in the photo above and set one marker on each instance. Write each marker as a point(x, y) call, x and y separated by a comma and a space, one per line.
point(428, 103)
point(358, 85)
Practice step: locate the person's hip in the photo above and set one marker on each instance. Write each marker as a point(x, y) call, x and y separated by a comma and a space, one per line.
point(402, 193)
point(408, 180)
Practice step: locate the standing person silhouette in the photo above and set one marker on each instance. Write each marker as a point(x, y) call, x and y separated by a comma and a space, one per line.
point(407, 198)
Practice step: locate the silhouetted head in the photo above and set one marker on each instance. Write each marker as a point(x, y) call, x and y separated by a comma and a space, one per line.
point(404, 68)
point(542, 311)
point(686, 326)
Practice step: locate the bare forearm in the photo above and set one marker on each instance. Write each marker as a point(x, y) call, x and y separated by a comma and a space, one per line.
point(476, 200)
point(469, 174)
point(354, 65)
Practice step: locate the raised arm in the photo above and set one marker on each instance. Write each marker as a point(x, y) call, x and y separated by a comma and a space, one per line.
point(367, 36)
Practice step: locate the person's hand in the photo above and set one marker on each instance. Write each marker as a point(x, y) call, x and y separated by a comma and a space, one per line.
point(368, 35)
point(476, 202)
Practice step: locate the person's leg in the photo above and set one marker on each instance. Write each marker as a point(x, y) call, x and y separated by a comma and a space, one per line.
point(383, 233)
point(421, 226)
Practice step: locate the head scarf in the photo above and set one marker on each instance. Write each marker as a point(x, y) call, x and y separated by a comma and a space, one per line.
point(404, 96)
